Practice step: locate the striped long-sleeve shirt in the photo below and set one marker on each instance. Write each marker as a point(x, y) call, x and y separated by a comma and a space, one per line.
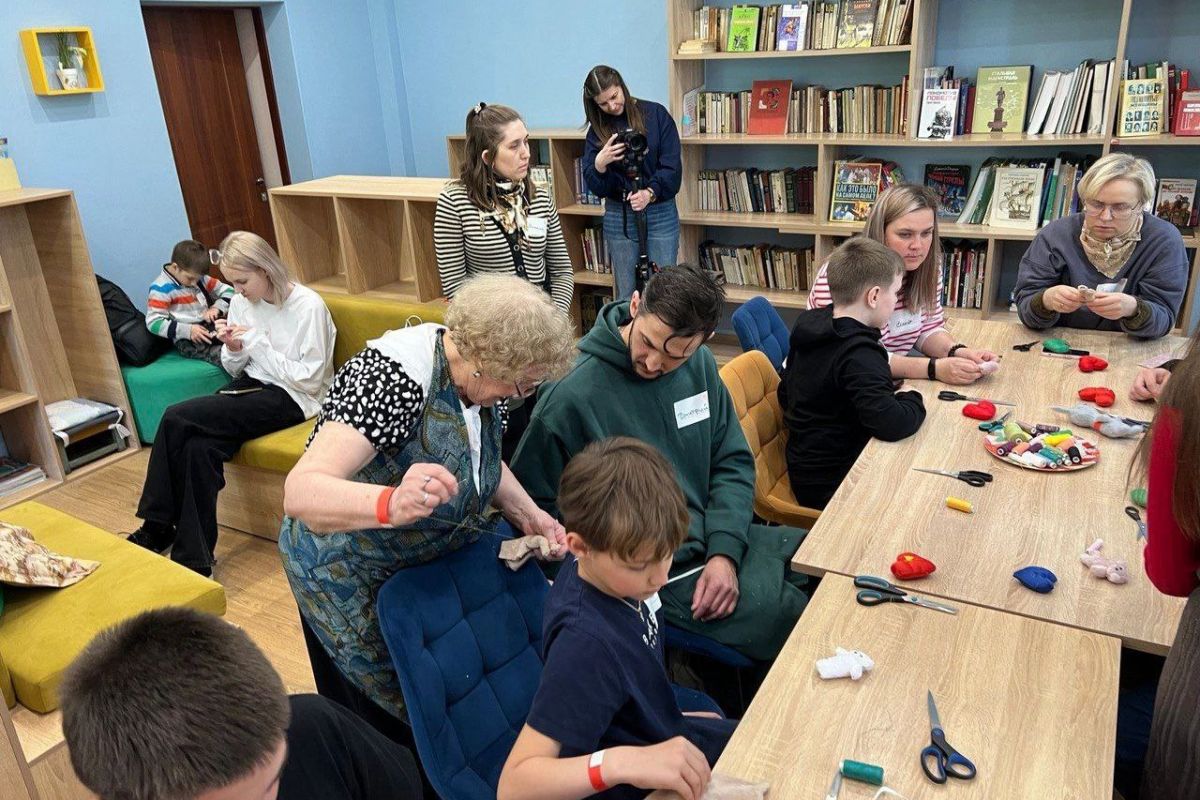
point(173, 308)
point(468, 243)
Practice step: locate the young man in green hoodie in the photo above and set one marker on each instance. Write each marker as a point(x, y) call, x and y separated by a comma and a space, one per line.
point(643, 372)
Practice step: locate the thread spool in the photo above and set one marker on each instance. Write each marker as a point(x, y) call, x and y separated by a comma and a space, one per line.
point(958, 504)
point(861, 771)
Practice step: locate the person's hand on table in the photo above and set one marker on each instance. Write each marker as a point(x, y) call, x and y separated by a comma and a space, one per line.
point(716, 594)
point(422, 489)
point(978, 356)
point(1149, 383)
point(675, 765)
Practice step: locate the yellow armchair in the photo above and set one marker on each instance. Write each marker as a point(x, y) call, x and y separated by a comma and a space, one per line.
point(753, 382)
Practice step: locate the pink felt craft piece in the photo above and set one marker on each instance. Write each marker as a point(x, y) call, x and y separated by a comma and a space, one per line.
point(1113, 570)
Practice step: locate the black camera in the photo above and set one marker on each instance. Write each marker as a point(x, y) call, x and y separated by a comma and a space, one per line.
point(635, 152)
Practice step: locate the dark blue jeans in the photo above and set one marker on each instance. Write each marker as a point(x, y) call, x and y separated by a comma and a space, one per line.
point(621, 239)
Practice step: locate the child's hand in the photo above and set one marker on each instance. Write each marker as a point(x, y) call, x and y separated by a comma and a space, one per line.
point(200, 335)
point(676, 765)
point(1149, 383)
point(212, 314)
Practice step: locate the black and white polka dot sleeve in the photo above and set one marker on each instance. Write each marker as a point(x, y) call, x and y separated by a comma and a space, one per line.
point(372, 394)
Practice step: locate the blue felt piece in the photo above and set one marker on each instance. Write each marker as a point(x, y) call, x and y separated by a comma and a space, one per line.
point(1039, 579)
point(759, 327)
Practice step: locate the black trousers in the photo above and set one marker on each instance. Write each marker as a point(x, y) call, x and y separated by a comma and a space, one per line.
point(187, 463)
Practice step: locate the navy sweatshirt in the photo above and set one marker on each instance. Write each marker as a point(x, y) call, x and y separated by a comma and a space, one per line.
point(836, 393)
point(662, 156)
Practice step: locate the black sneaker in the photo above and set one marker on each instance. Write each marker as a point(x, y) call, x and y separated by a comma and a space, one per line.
point(154, 536)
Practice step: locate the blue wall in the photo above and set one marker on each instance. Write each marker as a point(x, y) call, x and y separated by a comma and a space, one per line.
point(112, 149)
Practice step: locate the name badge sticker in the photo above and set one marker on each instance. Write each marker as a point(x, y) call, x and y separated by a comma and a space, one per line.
point(535, 227)
point(903, 321)
point(691, 410)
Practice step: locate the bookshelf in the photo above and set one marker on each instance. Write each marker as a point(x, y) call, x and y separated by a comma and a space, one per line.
point(54, 339)
point(686, 72)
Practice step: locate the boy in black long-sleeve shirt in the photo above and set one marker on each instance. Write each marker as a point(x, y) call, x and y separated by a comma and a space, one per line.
point(837, 390)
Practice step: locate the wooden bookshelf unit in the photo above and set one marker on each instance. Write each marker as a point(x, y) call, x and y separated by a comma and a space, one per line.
point(54, 338)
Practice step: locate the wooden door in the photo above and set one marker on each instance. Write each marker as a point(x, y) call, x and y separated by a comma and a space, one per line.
point(202, 84)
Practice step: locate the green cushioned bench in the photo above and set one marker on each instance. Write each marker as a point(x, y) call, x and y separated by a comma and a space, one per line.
point(168, 380)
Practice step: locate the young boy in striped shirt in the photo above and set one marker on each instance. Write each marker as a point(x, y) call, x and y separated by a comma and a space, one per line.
point(185, 301)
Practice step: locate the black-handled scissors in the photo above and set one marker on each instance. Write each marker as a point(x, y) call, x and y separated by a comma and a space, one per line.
point(946, 761)
point(946, 394)
point(1025, 348)
point(971, 477)
point(876, 591)
point(1135, 515)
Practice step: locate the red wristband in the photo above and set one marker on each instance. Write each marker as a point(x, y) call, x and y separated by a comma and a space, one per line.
point(381, 505)
point(594, 771)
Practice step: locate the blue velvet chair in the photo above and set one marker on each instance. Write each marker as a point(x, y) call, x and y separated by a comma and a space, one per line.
point(759, 327)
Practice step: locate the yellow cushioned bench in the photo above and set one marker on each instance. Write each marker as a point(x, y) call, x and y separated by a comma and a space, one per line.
point(42, 630)
point(253, 496)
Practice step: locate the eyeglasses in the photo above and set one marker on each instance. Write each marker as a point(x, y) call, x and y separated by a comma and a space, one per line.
point(1094, 208)
point(214, 257)
point(526, 391)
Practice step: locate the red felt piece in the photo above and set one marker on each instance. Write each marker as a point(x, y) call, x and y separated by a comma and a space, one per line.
point(910, 566)
point(1100, 395)
point(1092, 364)
point(983, 410)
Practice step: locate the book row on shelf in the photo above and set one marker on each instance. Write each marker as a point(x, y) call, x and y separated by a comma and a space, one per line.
point(750, 190)
point(842, 24)
point(1154, 99)
point(762, 266)
point(964, 265)
point(595, 254)
point(583, 195)
point(774, 107)
point(17, 475)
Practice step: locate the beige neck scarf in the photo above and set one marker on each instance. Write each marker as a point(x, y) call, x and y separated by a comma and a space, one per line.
point(1110, 255)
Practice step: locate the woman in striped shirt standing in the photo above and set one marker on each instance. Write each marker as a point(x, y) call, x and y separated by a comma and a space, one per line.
point(493, 218)
point(905, 219)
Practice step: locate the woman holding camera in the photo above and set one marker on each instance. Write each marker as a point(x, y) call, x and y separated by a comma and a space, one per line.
point(631, 182)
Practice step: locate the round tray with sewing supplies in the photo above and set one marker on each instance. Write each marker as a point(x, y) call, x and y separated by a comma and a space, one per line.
point(1045, 448)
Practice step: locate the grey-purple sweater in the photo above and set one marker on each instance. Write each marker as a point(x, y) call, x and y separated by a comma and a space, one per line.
point(1156, 274)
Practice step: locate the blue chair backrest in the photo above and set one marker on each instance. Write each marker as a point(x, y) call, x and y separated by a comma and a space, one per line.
point(759, 327)
point(465, 635)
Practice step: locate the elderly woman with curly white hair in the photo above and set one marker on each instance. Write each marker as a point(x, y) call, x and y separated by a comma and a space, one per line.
point(402, 464)
point(1114, 266)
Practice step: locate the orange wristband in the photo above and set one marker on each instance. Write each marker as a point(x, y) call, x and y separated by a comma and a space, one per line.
point(381, 505)
point(594, 771)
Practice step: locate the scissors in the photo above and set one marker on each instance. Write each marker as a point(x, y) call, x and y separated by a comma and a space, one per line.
point(971, 477)
point(1135, 515)
point(948, 762)
point(1025, 348)
point(877, 591)
point(949, 395)
point(996, 424)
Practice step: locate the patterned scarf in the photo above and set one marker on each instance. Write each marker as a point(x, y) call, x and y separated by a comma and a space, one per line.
point(1110, 255)
point(511, 209)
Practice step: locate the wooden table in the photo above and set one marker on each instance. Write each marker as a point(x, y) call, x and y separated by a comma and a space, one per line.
point(1034, 705)
point(1024, 517)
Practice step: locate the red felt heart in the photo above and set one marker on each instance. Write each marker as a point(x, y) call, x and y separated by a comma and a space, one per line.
point(982, 410)
point(1092, 364)
point(1100, 395)
point(910, 566)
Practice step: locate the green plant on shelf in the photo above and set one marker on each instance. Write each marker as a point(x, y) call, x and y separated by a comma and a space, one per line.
point(70, 54)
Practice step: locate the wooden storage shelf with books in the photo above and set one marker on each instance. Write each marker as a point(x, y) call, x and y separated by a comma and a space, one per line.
point(581, 209)
point(687, 72)
point(585, 277)
point(54, 339)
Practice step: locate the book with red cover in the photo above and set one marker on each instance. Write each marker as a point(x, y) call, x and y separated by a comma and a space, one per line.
point(769, 107)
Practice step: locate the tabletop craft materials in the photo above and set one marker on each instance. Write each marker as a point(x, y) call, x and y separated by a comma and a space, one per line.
point(1025, 348)
point(1062, 348)
point(852, 664)
point(1087, 294)
point(1039, 579)
point(862, 771)
point(1100, 395)
point(959, 504)
point(989, 367)
point(947, 394)
point(995, 424)
point(727, 787)
point(971, 477)
point(1041, 447)
point(910, 567)
point(1135, 515)
point(875, 591)
point(983, 410)
point(1111, 426)
point(1092, 364)
point(1112, 570)
point(940, 761)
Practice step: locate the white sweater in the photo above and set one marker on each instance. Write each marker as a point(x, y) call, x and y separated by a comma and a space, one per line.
point(290, 346)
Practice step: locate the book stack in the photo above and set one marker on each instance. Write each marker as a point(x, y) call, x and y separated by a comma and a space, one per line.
point(963, 268)
point(857, 183)
point(17, 475)
point(1073, 102)
point(1025, 193)
point(750, 190)
point(1175, 202)
point(803, 26)
point(761, 265)
point(595, 255)
point(1172, 83)
point(583, 195)
point(866, 108)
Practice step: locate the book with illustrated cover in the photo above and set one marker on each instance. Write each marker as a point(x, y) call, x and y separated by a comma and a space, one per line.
point(1176, 200)
point(939, 109)
point(743, 29)
point(793, 26)
point(769, 107)
point(1141, 108)
point(856, 27)
point(855, 190)
point(1187, 114)
point(1001, 97)
point(690, 123)
point(950, 183)
point(1016, 198)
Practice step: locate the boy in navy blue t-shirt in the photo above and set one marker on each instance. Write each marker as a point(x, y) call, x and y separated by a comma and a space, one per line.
point(605, 719)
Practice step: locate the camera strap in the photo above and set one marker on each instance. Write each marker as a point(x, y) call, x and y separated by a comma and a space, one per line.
point(518, 257)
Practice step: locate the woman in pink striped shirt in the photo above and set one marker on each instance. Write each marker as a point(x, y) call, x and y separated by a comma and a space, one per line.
point(919, 346)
